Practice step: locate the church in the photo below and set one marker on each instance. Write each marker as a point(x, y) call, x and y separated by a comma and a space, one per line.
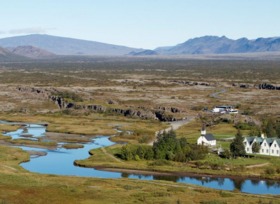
point(206, 139)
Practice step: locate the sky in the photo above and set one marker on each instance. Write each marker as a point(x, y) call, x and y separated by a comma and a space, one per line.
point(140, 23)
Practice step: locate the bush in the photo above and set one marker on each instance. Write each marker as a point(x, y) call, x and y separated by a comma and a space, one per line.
point(136, 152)
point(226, 154)
point(269, 171)
point(145, 139)
point(198, 152)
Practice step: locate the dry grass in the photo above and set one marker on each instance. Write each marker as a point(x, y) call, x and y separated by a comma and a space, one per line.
point(19, 186)
point(132, 83)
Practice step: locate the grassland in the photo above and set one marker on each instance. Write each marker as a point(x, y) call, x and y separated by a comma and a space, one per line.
point(147, 83)
point(19, 186)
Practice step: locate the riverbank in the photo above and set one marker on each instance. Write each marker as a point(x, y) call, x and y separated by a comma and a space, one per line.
point(211, 166)
point(37, 188)
point(158, 170)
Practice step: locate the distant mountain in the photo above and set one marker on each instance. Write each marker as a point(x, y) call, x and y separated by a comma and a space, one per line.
point(41, 46)
point(31, 52)
point(143, 53)
point(66, 46)
point(222, 45)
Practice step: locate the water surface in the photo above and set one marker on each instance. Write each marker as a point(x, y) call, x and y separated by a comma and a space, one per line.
point(61, 162)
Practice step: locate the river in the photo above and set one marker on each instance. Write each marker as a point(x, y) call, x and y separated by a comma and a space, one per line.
point(61, 162)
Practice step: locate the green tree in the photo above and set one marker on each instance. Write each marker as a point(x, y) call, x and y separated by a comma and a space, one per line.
point(165, 145)
point(269, 127)
point(169, 147)
point(197, 152)
point(277, 129)
point(256, 147)
point(255, 131)
point(237, 147)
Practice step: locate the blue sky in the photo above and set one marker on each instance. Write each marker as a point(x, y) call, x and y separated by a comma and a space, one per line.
point(141, 23)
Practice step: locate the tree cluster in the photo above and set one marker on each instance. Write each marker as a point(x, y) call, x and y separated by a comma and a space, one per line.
point(166, 147)
point(271, 127)
point(237, 147)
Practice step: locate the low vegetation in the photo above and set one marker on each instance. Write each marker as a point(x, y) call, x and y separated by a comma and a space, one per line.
point(72, 146)
point(144, 83)
point(166, 147)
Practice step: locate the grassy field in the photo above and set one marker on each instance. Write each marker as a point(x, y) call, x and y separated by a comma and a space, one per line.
point(92, 125)
point(19, 186)
point(138, 84)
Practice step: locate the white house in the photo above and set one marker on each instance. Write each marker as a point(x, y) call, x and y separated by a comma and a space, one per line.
point(206, 139)
point(224, 109)
point(268, 146)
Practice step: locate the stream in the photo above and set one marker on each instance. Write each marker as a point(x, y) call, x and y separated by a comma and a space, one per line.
point(60, 162)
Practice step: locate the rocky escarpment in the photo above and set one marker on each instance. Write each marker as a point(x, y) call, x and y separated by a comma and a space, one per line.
point(160, 113)
point(258, 86)
point(190, 83)
point(268, 86)
point(244, 86)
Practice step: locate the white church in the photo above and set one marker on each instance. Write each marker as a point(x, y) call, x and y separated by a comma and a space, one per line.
point(206, 139)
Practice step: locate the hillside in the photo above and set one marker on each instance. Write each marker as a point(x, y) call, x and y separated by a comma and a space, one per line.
point(6, 55)
point(143, 53)
point(31, 52)
point(66, 46)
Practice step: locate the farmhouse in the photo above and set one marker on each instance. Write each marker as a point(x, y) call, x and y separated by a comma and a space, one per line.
point(206, 139)
point(268, 146)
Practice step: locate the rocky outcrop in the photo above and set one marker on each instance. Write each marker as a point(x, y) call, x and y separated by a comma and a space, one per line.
point(170, 109)
point(190, 83)
point(164, 116)
point(268, 86)
point(36, 91)
point(160, 113)
point(244, 86)
point(260, 86)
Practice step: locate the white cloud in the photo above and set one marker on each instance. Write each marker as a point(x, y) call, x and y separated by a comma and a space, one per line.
point(34, 30)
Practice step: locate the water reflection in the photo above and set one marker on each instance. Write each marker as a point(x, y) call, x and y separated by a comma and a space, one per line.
point(60, 162)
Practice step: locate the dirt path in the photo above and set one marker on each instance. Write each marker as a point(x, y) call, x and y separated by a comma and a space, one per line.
point(257, 165)
point(110, 155)
point(173, 125)
point(8, 167)
point(216, 94)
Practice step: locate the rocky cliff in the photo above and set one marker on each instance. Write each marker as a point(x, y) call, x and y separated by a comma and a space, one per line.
point(160, 113)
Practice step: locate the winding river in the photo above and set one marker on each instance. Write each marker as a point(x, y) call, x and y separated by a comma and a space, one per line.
point(60, 162)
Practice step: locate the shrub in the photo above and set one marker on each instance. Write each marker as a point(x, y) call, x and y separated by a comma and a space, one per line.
point(226, 154)
point(269, 171)
point(198, 152)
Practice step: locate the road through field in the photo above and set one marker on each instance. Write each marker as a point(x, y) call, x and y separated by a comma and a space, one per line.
point(173, 126)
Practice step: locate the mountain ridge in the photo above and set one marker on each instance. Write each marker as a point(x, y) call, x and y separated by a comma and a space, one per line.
point(66, 46)
point(222, 45)
point(195, 46)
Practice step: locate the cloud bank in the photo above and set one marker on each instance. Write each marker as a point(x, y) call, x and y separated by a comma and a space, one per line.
point(31, 30)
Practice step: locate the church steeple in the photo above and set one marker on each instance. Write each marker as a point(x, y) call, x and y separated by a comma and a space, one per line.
point(203, 130)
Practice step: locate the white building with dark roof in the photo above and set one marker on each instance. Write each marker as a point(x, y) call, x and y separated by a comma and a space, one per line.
point(206, 139)
point(268, 146)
